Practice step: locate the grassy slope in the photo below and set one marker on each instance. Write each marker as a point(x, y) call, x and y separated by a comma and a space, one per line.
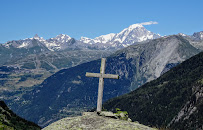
point(9, 120)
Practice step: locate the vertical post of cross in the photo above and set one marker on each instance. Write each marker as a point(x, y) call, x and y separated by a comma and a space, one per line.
point(101, 85)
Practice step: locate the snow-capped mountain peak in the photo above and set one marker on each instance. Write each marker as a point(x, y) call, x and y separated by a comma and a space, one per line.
point(104, 38)
point(26, 43)
point(198, 35)
point(135, 33)
point(130, 28)
point(182, 34)
point(62, 37)
point(60, 42)
point(101, 39)
point(128, 36)
point(133, 26)
point(36, 37)
point(86, 40)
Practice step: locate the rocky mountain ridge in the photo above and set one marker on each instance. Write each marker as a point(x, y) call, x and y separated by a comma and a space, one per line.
point(131, 35)
point(196, 39)
point(174, 100)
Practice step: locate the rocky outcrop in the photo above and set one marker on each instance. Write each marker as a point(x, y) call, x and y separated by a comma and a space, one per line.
point(91, 121)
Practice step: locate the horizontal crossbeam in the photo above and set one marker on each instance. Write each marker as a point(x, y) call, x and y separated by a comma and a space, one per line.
point(100, 75)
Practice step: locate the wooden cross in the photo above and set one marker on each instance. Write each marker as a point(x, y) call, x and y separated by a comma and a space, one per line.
point(101, 77)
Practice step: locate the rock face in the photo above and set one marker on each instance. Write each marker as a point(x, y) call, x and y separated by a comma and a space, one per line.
point(191, 113)
point(195, 40)
point(91, 121)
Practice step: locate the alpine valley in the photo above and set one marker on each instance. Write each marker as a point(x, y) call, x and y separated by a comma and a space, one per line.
point(68, 92)
point(26, 63)
point(44, 80)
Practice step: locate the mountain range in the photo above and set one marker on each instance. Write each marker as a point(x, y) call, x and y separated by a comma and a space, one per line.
point(32, 60)
point(33, 78)
point(68, 92)
point(131, 35)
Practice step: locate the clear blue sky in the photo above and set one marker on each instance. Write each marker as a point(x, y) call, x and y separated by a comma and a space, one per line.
point(21, 19)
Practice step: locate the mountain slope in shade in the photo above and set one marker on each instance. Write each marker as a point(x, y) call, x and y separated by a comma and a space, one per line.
point(174, 100)
point(9, 120)
point(68, 92)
